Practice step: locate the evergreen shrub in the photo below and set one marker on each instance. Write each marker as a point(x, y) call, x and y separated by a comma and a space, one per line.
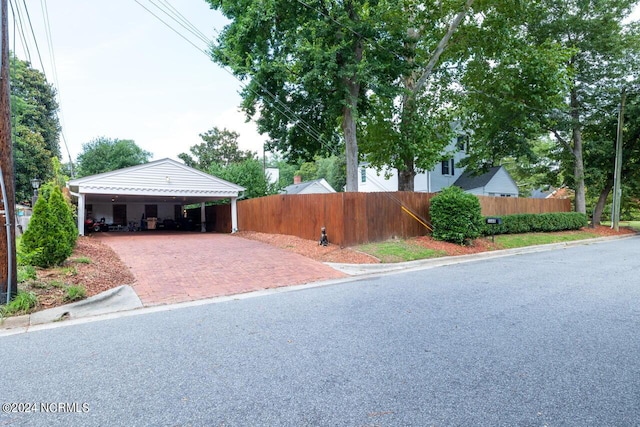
point(52, 233)
point(456, 216)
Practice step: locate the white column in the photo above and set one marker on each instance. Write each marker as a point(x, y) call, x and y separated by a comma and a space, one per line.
point(203, 218)
point(81, 214)
point(234, 215)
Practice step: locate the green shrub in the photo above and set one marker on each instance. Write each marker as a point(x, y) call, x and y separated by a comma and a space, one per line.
point(75, 292)
point(23, 257)
point(22, 303)
point(456, 216)
point(51, 234)
point(532, 223)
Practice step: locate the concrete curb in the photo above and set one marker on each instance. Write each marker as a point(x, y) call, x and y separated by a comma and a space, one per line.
point(113, 300)
point(370, 269)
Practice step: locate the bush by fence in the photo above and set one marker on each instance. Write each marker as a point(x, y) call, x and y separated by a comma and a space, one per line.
point(528, 223)
point(455, 216)
point(354, 218)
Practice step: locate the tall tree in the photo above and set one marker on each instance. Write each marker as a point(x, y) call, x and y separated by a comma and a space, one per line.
point(219, 147)
point(511, 92)
point(412, 121)
point(308, 66)
point(106, 155)
point(247, 173)
point(36, 128)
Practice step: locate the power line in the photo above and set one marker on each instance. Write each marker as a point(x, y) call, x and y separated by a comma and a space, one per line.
point(52, 56)
point(33, 34)
point(16, 13)
point(277, 103)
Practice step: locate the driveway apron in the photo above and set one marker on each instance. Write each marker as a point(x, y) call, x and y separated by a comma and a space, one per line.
point(177, 267)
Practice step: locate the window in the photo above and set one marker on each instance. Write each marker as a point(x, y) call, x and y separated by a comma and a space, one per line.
point(151, 211)
point(445, 167)
point(363, 175)
point(462, 143)
point(448, 167)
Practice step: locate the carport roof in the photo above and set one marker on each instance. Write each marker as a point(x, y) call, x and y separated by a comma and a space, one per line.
point(160, 180)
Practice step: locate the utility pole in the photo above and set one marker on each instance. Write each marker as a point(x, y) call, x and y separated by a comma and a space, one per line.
point(617, 173)
point(8, 276)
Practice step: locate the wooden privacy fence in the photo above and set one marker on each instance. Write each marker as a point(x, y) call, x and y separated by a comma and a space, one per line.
point(354, 218)
point(495, 206)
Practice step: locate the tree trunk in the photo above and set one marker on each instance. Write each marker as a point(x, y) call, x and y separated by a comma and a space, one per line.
point(351, 144)
point(414, 83)
point(578, 167)
point(602, 200)
point(406, 176)
point(349, 115)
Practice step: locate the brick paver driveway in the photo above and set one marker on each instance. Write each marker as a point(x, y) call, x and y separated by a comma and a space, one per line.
point(174, 267)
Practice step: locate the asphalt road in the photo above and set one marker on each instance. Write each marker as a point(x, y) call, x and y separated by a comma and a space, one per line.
point(544, 339)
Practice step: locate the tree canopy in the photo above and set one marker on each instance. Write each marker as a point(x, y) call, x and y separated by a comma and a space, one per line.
point(220, 155)
point(565, 62)
point(106, 155)
point(219, 147)
point(308, 68)
point(407, 74)
point(35, 126)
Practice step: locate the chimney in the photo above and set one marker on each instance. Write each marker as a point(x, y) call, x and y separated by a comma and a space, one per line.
point(297, 179)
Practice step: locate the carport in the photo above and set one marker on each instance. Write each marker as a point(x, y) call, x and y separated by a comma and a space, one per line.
point(159, 189)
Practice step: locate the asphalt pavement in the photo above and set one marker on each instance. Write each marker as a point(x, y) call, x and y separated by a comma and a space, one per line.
point(547, 338)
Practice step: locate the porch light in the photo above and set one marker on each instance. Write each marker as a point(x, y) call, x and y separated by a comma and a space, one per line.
point(35, 183)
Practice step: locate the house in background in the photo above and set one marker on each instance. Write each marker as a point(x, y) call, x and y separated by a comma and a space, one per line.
point(317, 186)
point(497, 182)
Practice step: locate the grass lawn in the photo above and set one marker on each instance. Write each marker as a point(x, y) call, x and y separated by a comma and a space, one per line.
point(508, 241)
point(399, 251)
point(632, 224)
point(403, 250)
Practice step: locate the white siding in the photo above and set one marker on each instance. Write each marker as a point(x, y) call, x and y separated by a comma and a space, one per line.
point(161, 177)
point(315, 188)
point(428, 181)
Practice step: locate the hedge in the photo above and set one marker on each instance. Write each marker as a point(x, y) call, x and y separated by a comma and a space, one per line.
point(531, 223)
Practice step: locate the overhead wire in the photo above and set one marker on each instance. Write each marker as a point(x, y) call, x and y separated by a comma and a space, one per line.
point(277, 103)
point(33, 34)
point(184, 23)
point(23, 38)
point(52, 56)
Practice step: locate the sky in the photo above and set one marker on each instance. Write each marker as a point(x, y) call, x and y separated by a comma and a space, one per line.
point(122, 73)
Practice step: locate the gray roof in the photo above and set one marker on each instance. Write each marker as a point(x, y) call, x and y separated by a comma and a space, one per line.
point(298, 188)
point(469, 181)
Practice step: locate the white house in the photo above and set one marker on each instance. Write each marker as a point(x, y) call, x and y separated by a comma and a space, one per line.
point(496, 182)
point(158, 189)
point(318, 186)
point(444, 174)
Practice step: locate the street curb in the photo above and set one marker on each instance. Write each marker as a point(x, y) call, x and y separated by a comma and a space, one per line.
point(370, 269)
point(117, 299)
